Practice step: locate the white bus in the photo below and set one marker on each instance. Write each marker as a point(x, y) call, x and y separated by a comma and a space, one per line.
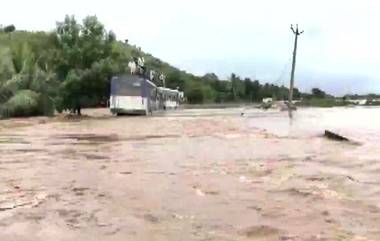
point(169, 98)
point(133, 94)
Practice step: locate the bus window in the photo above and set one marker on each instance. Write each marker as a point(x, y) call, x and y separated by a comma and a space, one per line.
point(126, 87)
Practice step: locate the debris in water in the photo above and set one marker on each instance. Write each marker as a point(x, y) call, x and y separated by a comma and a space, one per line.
point(151, 218)
point(212, 192)
point(177, 216)
point(28, 202)
point(244, 179)
point(126, 173)
point(199, 192)
point(333, 136)
point(262, 231)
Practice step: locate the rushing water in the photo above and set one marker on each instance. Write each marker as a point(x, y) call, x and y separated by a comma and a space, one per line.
point(357, 123)
point(206, 174)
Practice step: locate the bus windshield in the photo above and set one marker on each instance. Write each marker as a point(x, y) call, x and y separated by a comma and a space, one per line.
point(126, 86)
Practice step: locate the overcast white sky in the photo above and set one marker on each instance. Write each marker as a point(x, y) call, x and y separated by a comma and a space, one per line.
point(339, 51)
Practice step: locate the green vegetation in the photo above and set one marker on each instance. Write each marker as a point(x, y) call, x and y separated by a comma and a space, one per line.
point(70, 68)
point(65, 70)
point(322, 102)
point(86, 57)
point(20, 70)
point(318, 98)
point(23, 103)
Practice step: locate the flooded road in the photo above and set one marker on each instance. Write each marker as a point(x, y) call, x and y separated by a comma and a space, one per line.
point(191, 175)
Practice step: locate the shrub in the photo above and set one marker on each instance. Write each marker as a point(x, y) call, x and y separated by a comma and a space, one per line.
point(23, 103)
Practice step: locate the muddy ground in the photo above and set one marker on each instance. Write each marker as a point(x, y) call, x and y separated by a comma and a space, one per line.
point(180, 177)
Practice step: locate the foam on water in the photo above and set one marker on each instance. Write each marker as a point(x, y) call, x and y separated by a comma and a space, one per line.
point(357, 123)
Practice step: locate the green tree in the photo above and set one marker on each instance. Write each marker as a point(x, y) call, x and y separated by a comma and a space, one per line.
point(209, 94)
point(210, 77)
point(248, 89)
point(194, 93)
point(9, 30)
point(318, 93)
point(85, 62)
point(174, 80)
point(237, 87)
point(255, 91)
point(296, 93)
point(27, 89)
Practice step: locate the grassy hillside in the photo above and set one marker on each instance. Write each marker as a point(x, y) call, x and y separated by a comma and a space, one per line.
point(71, 67)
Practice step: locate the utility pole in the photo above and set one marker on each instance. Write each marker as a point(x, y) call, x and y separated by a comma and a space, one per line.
point(296, 33)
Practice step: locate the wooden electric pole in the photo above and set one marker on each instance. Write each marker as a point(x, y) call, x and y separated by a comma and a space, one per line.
point(296, 33)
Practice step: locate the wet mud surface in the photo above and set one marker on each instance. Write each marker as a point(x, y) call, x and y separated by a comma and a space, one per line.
point(182, 178)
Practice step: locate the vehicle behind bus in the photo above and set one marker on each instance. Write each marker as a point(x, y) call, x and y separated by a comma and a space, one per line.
point(170, 98)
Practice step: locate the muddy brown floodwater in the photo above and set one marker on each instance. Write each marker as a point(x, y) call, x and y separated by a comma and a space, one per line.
point(191, 175)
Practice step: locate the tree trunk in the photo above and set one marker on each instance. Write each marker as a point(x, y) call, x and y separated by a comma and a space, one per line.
point(79, 111)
